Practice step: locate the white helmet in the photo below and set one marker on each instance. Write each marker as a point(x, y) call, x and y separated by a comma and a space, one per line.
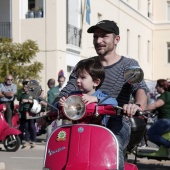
point(36, 107)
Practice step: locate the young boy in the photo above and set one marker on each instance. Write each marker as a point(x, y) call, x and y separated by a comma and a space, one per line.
point(90, 75)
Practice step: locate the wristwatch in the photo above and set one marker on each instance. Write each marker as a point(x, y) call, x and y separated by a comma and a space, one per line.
point(139, 106)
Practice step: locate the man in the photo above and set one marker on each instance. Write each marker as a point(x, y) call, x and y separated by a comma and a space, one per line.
point(7, 95)
point(53, 91)
point(61, 81)
point(105, 39)
point(52, 94)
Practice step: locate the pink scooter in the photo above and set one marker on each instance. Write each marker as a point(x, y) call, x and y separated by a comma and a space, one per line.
point(9, 135)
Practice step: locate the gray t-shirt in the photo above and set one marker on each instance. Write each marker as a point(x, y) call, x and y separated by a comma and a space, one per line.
point(5, 88)
point(114, 82)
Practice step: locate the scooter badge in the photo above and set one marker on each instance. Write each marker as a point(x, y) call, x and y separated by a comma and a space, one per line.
point(61, 136)
point(80, 129)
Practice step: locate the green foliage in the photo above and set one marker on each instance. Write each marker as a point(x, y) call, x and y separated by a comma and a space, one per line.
point(18, 59)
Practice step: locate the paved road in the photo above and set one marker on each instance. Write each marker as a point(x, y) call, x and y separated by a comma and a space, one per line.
point(32, 159)
point(145, 164)
point(24, 159)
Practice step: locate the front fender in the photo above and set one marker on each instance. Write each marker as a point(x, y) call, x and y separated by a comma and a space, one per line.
point(9, 131)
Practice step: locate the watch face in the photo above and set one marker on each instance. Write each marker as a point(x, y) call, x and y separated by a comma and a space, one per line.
point(138, 105)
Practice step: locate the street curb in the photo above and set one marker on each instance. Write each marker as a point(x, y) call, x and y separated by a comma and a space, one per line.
point(2, 166)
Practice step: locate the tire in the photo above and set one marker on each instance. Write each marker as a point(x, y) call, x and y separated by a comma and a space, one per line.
point(14, 146)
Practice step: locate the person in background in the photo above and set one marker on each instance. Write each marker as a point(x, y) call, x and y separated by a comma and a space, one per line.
point(27, 125)
point(61, 81)
point(19, 97)
point(8, 91)
point(105, 40)
point(162, 125)
point(52, 93)
point(90, 75)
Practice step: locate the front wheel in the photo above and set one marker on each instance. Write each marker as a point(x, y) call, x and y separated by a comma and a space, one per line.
point(12, 143)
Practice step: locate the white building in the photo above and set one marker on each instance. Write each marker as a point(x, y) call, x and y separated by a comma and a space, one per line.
point(63, 39)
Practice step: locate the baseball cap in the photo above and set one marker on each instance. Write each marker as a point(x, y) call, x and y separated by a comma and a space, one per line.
point(106, 25)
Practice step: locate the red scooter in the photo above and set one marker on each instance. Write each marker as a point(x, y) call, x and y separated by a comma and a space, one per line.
point(85, 144)
point(82, 145)
point(9, 135)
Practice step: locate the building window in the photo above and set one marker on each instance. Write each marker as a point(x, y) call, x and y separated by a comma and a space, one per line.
point(35, 9)
point(168, 48)
point(128, 40)
point(168, 10)
point(31, 4)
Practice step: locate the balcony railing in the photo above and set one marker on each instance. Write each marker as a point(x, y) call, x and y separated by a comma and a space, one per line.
point(5, 29)
point(73, 35)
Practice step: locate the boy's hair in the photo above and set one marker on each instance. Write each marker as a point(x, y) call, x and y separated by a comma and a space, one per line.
point(93, 67)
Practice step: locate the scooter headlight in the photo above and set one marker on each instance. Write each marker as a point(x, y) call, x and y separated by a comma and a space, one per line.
point(74, 108)
point(2, 107)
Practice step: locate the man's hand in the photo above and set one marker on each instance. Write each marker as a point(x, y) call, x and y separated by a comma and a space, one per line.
point(89, 99)
point(130, 109)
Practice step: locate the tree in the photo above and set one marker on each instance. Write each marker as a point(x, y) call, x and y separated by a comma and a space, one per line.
point(18, 59)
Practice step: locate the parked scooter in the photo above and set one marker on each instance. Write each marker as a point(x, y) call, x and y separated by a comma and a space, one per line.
point(160, 153)
point(83, 144)
point(9, 135)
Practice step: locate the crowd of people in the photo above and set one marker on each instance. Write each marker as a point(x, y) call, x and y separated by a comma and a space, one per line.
point(97, 77)
point(8, 94)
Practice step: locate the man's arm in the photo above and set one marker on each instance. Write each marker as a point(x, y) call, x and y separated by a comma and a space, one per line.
point(140, 103)
point(141, 98)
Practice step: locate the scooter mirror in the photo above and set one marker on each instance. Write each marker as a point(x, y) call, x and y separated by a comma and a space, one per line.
point(133, 74)
point(34, 89)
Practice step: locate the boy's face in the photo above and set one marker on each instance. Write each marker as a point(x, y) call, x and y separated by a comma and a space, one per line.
point(85, 83)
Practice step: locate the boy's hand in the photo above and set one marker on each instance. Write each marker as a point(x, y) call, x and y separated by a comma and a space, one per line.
point(89, 99)
point(62, 101)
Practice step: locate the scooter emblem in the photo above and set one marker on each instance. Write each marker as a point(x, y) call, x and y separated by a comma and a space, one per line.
point(80, 129)
point(61, 136)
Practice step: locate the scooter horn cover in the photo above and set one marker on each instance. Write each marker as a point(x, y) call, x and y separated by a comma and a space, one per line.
point(36, 107)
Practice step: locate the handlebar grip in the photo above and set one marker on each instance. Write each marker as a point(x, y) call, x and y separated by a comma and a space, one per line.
point(138, 113)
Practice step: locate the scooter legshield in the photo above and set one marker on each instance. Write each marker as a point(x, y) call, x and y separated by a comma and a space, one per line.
point(81, 147)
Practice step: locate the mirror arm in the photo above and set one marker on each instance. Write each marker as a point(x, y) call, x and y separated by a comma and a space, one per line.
point(133, 75)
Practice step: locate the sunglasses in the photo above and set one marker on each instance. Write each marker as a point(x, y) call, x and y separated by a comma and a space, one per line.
point(9, 79)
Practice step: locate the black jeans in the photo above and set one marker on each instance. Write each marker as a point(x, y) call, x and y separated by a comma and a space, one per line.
point(28, 126)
